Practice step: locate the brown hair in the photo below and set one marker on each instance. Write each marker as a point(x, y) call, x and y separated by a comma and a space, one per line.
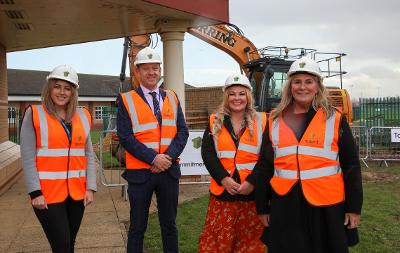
point(320, 99)
point(48, 102)
point(224, 110)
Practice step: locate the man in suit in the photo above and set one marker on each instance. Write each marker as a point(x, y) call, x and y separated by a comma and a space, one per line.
point(152, 129)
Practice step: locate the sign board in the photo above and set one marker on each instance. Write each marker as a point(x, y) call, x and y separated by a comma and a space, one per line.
point(191, 162)
point(395, 134)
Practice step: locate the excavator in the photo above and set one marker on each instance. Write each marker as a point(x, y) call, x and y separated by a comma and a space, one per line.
point(265, 67)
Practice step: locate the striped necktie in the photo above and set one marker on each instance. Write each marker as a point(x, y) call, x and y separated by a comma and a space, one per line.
point(156, 106)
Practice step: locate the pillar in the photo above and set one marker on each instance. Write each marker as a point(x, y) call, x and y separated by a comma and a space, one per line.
point(172, 34)
point(10, 156)
point(3, 96)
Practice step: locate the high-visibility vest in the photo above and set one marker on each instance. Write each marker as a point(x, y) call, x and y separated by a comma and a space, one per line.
point(145, 126)
point(314, 161)
point(245, 157)
point(61, 164)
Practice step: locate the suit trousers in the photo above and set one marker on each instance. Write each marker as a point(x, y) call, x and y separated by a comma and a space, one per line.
point(167, 190)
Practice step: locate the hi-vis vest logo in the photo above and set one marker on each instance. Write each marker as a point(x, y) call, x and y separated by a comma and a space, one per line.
point(236, 79)
point(302, 64)
point(217, 35)
point(66, 73)
point(168, 110)
point(150, 56)
point(79, 137)
point(312, 135)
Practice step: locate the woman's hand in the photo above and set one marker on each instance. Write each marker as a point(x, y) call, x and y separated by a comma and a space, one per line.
point(89, 197)
point(230, 185)
point(354, 219)
point(264, 218)
point(39, 203)
point(246, 188)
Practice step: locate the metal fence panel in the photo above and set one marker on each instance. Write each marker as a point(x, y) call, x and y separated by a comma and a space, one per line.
point(380, 145)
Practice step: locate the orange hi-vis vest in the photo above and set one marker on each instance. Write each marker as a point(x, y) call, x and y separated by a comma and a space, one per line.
point(145, 126)
point(245, 157)
point(61, 164)
point(314, 161)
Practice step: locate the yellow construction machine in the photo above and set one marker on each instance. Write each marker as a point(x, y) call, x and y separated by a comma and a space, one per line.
point(265, 67)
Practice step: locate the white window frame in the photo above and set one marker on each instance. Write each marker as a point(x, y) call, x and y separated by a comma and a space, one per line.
point(13, 120)
point(98, 112)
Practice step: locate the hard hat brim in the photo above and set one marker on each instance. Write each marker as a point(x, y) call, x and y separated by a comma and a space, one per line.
point(237, 84)
point(62, 79)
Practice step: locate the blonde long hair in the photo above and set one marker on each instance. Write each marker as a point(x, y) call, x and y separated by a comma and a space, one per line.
point(48, 102)
point(320, 99)
point(224, 110)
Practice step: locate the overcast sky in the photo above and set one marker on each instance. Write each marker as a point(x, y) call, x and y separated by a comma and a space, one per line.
point(366, 30)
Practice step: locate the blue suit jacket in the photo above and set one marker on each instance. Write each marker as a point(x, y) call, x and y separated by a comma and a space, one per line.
point(143, 153)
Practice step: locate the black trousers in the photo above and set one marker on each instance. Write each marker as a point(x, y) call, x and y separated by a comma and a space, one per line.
point(61, 222)
point(167, 190)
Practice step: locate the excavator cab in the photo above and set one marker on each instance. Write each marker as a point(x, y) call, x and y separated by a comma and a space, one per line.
point(267, 94)
point(268, 74)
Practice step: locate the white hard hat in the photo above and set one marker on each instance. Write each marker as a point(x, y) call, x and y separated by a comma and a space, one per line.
point(237, 79)
point(66, 73)
point(147, 55)
point(307, 65)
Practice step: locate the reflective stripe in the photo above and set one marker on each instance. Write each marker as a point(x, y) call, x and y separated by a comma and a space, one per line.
point(174, 105)
point(226, 154)
point(289, 174)
point(44, 137)
point(132, 112)
point(153, 145)
point(245, 166)
point(61, 174)
point(168, 122)
point(329, 131)
point(215, 140)
point(248, 148)
point(259, 131)
point(52, 175)
point(77, 152)
point(148, 126)
point(320, 152)
point(275, 133)
point(166, 141)
point(76, 173)
point(321, 172)
point(84, 120)
point(52, 152)
point(279, 152)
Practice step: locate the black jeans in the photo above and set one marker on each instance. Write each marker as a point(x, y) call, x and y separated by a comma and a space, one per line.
point(61, 222)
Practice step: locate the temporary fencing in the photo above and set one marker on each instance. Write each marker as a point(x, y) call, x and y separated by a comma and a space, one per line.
point(360, 135)
point(112, 164)
point(383, 144)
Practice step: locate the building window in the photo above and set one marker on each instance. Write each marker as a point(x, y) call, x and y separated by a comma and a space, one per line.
point(84, 107)
point(12, 114)
point(99, 112)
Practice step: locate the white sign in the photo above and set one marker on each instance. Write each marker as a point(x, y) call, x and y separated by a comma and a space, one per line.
point(395, 134)
point(191, 162)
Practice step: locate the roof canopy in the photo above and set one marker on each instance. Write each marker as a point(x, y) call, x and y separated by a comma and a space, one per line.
point(27, 24)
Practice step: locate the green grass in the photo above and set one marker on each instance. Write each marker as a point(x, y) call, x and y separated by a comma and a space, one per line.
point(379, 229)
point(190, 222)
point(109, 161)
point(95, 135)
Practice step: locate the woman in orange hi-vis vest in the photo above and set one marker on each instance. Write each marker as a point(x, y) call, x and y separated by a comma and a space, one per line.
point(57, 159)
point(230, 150)
point(309, 188)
